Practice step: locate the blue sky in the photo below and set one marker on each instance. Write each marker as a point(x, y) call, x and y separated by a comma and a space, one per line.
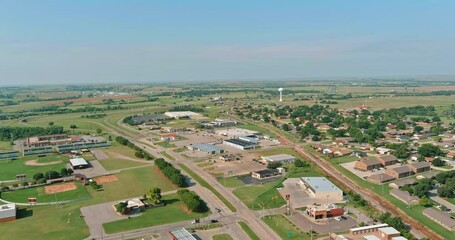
point(63, 41)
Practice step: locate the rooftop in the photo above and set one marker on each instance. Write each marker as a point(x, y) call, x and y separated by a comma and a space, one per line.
point(389, 230)
point(279, 157)
point(240, 142)
point(388, 158)
point(205, 147)
point(442, 217)
point(401, 169)
point(320, 184)
point(371, 237)
point(369, 227)
point(182, 234)
point(420, 164)
point(7, 207)
point(370, 161)
point(78, 161)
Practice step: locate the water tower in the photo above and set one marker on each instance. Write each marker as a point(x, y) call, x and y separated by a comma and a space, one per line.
point(281, 94)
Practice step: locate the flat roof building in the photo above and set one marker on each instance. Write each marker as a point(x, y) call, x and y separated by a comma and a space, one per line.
point(282, 158)
point(240, 144)
point(182, 114)
point(420, 167)
point(181, 234)
point(207, 148)
point(322, 188)
point(261, 174)
point(78, 163)
point(8, 212)
point(387, 233)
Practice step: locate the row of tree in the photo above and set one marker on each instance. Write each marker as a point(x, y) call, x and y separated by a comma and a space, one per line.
point(8, 133)
point(140, 153)
point(172, 173)
point(192, 201)
point(51, 174)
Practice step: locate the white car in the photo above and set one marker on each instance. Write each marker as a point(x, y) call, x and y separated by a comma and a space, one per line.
point(337, 218)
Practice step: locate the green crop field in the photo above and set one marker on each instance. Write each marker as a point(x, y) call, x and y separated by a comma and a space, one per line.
point(172, 212)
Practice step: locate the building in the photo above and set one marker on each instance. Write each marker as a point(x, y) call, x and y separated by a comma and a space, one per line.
point(240, 144)
point(442, 218)
point(387, 233)
point(366, 229)
point(321, 188)
point(223, 123)
point(323, 211)
point(49, 140)
point(78, 163)
point(134, 206)
point(359, 154)
point(207, 148)
point(182, 114)
point(383, 151)
point(401, 183)
point(281, 158)
point(420, 167)
point(266, 173)
point(181, 234)
point(405, 197)
point(380, 178)
point(367, 164)
point(12, 154)
point(150, 119)
point(8, 212)
point(387, 160)
point(399, 172)
point(236, 132)
point(170, 137)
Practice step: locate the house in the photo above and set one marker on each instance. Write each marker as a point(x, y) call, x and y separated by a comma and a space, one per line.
point(442, 218)
point(319, 147)
point(169, 137)
point(207, 148)
point(401, 183)
point(420, 167)
point(322, 188)
point(78, 163)
point(323, 127)
point(387, 160)
point(405, 197)
point(318, 211)
point(399, 172)
point(383, 151)
point(240, 144)
point(340, 152)
point(8, 212)
point(282, 158)
point(134, 206)
point(359, 154)
point(266, 173)
point(367, 164)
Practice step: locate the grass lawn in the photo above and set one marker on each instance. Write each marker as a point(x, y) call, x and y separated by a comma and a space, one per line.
point(172, 212)
point(21, 196)
point(179, 150)
point(117, 163)
point(261, 196)
point(231, 182)
point(166, 144)
point(132, 183)
point(10, 168)
point(52, 158)
point(203, 183)
point(274, 151)
point(284, 227)
point(164, 153)
point(5, 146)
point(249, 231)
point(223, 236)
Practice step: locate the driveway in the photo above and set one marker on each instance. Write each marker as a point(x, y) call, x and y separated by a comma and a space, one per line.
point(94, 171)
point(96, 215)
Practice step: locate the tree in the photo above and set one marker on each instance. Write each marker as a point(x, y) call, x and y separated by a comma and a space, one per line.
point(300, 163)
point(401, 151)
point(38, 176)
point(418, 129)
point(99, 131)
point(51, 123)
point(438, 162)
point(155, 195)
point(64, 172)
point(73, 126)
point(425, 202)
point(274, 165)
point(285, 127)
point(429, 150)
point(51, 175)
point(445, 191)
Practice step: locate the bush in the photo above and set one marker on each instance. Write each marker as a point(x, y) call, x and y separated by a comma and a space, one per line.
point(38, 176)
point(192, 201)
point(171, 172)
point(274, 165)
point(41, 181)
point(300, 163)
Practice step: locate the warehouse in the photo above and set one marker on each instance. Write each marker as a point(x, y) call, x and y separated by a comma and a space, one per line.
point(322, 188)
point(240, 144)
point(281, 158)
point(182, 114)
point(207, 148)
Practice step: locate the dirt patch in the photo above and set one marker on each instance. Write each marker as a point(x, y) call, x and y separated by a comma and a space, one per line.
point(64, 187)
point(185, 209)
point(36, 163)
point(106, 179)
point(100, 155)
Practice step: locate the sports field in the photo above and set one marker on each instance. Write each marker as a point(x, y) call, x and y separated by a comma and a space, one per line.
point(43, 196)
point(30, 165)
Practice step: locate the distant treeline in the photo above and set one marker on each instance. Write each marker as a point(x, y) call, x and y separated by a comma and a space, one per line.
point(50, 110)
point(417, 110)
point(14, 133)
point(36, 99)
point(140, 153)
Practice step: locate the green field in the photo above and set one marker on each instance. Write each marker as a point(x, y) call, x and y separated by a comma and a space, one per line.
point(117, 163)
point(166, 144)
point(248, 231)
point(132, 183)
point(259, 197)
point(22, 195)
point(223, 236)
point(165, 154)
point(284, 228)
point(172, 212)
point(231, 182)
point(278, 150)
point(10, 168)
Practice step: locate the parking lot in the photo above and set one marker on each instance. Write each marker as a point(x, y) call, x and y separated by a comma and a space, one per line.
point(362, 174)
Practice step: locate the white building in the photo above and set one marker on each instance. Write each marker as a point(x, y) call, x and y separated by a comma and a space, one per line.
point(8, 212)
point(282, 158)
point(321, 188)
point(181, 114)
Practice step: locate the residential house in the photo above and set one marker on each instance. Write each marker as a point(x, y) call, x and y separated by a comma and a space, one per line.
point(399, 172)
point(367, 164)
point(387, 160)
point(419, 167)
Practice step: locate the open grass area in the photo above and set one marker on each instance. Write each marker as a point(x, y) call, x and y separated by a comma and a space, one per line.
point(132, 183)
point(278, 150)
point(248, 231)
point(203, 183)
point(118, 163)
point(222, 236)
point(284, 227)
point(10, 168)
point(231, 182)
point(172, 212)
point(22, 195)
point(5, 146)
point(259, 197)
point(165, 154)
point(166, 144)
